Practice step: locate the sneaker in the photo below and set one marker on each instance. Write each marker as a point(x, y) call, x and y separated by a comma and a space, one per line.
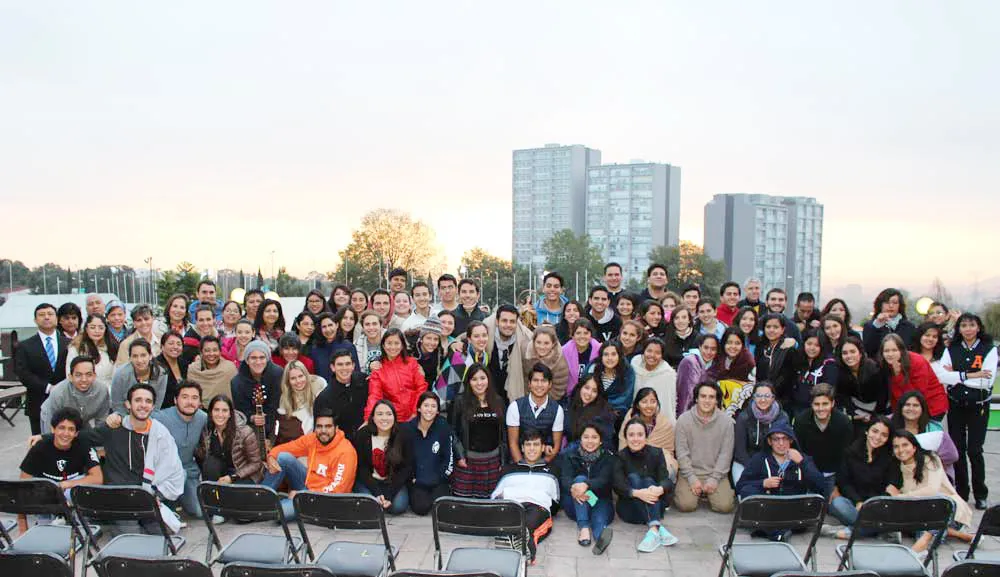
point(58, 522)
point(650, 542)
point(894, 537)
point(830, 530)
point(218, 519)
point(782, 537)
point(666, 537)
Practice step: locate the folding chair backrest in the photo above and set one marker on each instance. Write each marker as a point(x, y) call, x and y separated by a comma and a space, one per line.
point(772, 512)
point(34, 564)
point(973, 569)
point(333, 511)
point(256, 570)
point(856, 573)
point(479, 517)
point(910, 514)
point(163, 567)
point(989, 525)
point(115, 503)
point(32, 497)
point(420, 573)
point(242, 502)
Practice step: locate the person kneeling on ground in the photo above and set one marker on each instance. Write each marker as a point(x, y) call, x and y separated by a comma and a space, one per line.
point(642, 481)
point(780, 470)
point(531, 482)
point(704, 438)
point(585, 482)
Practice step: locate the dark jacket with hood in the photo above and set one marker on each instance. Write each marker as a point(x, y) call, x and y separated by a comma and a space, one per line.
point(346, 402)
point(243, 386)
point(433, 455)
point(796, 478)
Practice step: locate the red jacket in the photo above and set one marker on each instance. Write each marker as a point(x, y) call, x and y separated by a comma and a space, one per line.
point(726, 314)
point(279, 360)
point(923, 379)
point(400, 382)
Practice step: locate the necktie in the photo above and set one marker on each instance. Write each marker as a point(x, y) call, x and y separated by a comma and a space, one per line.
point(50, 351)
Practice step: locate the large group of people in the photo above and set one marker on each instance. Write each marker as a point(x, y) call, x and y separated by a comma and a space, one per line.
point(620, 406)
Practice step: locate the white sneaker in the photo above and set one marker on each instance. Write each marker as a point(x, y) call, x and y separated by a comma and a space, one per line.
point(218, 519)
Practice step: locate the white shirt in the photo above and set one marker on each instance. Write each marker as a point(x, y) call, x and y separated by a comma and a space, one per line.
point(514, 414)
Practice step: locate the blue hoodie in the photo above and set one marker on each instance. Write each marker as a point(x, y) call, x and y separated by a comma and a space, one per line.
point(547, 316)
point(433, 458)
point(186, 434)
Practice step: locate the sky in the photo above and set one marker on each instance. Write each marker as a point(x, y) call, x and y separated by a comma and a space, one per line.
point(217, 132)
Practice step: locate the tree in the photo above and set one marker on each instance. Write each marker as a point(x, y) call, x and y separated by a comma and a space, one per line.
point(386, 239)
point(184, 280)
point(571, 255)
point(260, 280)
point(940, 293)
point(991, 317)
point(687, 264)
point(487, 269)
point(288, 286)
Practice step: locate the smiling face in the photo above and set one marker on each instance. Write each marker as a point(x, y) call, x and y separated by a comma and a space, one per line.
point(690, 298)
point(83, 376)
point(230, 314)
point(244, 334)
point(64, 434)
point(851, 355)
point(532, 450)
point(327, 328)
point(734, 346)
point(144, 325)
point(822, 407)
point(709, 348)
point(731, 296)
point(539, 385)
point(372, 327)
point(359, 302)
point(252, 303)
point(582, 336)
point(776, 302)
point(468, 294)
point(314, 304)
point(177, 310)
point(298, 379)
point(571, 314)
point(610, 358)
point(773, 331)
point(833, 330)
point(188, 401)
point(929, 340)
point(478, 383)
point(681, 319)
point(763, 398)
point(629, 336)
point(343, 367)
point(590, 439)
point(348, 322)
point(383, 418)
point(220, 414)
point(402, 304)
point(257, 361)
point(393, 346)
point(210, 354)
point(649, 407)
point(270, 314)
point(172, 347)
point(599, 302)
point(552, 289)
point(635, 437)
point(904, 450)
point(307, 327)
point(140, 405)
point(812, 347)
point(877, 435)
point(707, 400)
point(911, 410)
point(429, 409)
point(753, 291)
point(588, 391)
point(657, 278)
point(653, 316)
point(205, 323)
point(341, 297)
point(116, 318)
point(625, 308)
point(747, 323)
point(613, 277)
point(652, 355)
point(422, 297)
point(543, 344)
point(139, 358)
point(95, 329)
point(447, 325)
point(479, 338)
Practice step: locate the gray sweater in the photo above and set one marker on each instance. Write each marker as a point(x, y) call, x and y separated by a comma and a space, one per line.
point(123, 380)
point(94, 404)
point(704, 449)
point(186, 434)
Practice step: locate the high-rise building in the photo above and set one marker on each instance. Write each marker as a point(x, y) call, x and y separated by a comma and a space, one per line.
point(632, 208)
point(550, 194)
point(777, 239)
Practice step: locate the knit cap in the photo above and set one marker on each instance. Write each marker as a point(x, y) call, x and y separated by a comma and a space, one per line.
point(431, 326)
point(112, 304)
point(256, 345)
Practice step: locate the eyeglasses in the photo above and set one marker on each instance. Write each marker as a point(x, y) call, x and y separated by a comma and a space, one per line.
point(763, 396)
point(779, 439)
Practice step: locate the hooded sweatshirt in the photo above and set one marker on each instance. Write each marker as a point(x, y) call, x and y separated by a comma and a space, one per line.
point(124, 379)
point(704, 447)
point(149, 459)
point(662, 379)
point(332, 467)
point(186, 434)
point(94, 404)
point(547, 316)
point(433, 457)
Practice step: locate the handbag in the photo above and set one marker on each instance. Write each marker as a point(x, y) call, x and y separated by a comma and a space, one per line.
point(964, 397)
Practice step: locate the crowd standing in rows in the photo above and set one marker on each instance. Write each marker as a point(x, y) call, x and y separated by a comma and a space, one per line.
point(620, 406)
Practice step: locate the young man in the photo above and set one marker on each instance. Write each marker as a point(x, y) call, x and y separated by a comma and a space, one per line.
point(346, 395)
point(824, 433)
point(806, 316)
point(447, 287)
point(251, 302)
point(613, 280)
point(421, 296)
point(258, 373)
point(94, 305)
point(690, 297)
point(61, 456)
point(752, 289)
point(78, 392)
point(530, 480)
point(507, 346)
point(781, 470)
point(656, 283)
point(206, 296)
point(40, 362)
point(606, 323)
point(729, 298)
point(332, 465)
point(397, 280)
point(536, 411)
point(142, 325)
point(549, 307)
point(704, 438)
point(185, 421)
point(775, 302)
point(468, 310)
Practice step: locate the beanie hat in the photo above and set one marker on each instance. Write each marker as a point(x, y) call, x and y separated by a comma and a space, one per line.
point(113, 304)
point(431, 326)
point(257, 345)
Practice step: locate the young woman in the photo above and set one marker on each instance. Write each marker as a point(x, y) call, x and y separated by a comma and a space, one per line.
point(659, 424)
point(707, 323)
point(654, 372)
point(631, 339)
point(171, 361)
point(753, 424)
point(270, 323)
point(651, 316)
point(329, 341)
point(680, 336)
point(776, 363)
point(448, 336)
point(834, 333)
point(733, 370)
point(572, 312)
point(142, 327)
point(472, 352)
point(290, 349)
point(295, 409)
point(68, 318)
point(627, 306)
point(585, 475)
point(971, 365)
point(477, 416)
point(141, 368)
point(176, 316)
point(231, 314)
point(862, 388)
point(228, 451)
point(642, 481)
point(368, 345)
point(839, 307)
point(889, 318)
point(233, 348)
point(746, 320)
point(92, 341)
point(432, 358)
point(397, 378)
point(340, 297)
point(385, 463)
point(919, 473)
point(431, 446)
point(580, 352)
point(865, 474)
point(814, 367)
point(588, 405)
point(928, 341)
point(316, 303)
point(945, 319)
point(908, 371)
point(211, 371)
point(359, 301)
point(670, 300)
point(693, 370)
point(544, 348)
point(912, 416)
point(402, 309)
point(304, 327)
point(347, 322)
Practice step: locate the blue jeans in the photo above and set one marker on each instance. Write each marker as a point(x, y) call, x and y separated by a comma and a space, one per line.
point(189, 498)
point(596, 518)
point(400, 503)
point(829, 482)
point(637, 512)
point(292, 471)
point(847, 513)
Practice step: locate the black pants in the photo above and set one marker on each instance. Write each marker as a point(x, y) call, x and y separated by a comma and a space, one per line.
point(967, 427)
point(34, 411)
point(539, 522)
point(422, 498)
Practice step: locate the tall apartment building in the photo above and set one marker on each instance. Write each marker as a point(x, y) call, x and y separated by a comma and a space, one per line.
point(550, 190)
point(632, 208)
point(777, 239)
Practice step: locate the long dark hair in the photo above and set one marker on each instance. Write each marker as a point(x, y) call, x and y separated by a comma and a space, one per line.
point(331, 303)
point(87, 347)
point(829, 306)
point(884, 296)
point(403, 353)
point(740, 367)
point(394, 446)
point(918, 348)
point(753, 337)
point(341, 336)
point(230, 431)
point(639, 396)
point(470, 403)
point(620, 370)
point(315, 320)
point(920, 455)
point(898, 422)
point(860, 445)
point(563, 327)
point(316, 293)
point(981, 334)
point(258, 322)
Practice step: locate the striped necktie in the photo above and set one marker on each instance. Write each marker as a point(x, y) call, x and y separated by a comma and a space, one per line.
point(50, 351)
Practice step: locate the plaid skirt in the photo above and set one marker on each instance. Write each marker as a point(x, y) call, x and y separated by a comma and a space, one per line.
point(479, 477)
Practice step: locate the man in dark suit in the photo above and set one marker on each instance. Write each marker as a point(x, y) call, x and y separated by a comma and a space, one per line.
point(40, 362)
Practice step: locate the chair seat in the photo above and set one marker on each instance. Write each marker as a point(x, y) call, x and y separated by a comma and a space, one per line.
point(9, 524)
point(886, 560)
point(349, 559)
point(504, 562)
point(981, 555)
point(52, 539)
point(765, 559)
point(258, 548)
point(138, 546)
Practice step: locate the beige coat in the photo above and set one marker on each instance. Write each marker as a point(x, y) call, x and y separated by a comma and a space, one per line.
point(515, 365)
point(935, 484)
point(661, 437)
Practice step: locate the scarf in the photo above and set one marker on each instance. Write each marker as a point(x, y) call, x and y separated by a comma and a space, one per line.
point(685, 334)
point(765, 417)
point(213, 381)
point(590, 457)
point(118, 335)
point(893, 322)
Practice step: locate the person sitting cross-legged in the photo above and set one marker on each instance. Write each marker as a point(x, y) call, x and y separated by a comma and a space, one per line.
point(644, 486)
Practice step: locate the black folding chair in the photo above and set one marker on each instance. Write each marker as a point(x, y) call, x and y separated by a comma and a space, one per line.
point(162, 567)
point(350, 511)
point(989, 525)
point(772, 513)
point(419, 573)
point(826, 574)
point(246, 503)
point(269, 570)
point(34, 564)
point(8, 524)
point(483, 518)
point(973, 568)
point(39, 497)
point(122, 503)
point(904, 514)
